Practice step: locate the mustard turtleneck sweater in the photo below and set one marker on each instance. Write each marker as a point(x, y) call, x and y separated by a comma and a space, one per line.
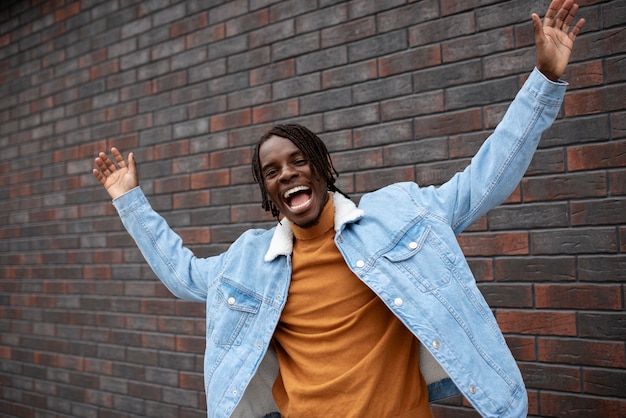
point(341, 351)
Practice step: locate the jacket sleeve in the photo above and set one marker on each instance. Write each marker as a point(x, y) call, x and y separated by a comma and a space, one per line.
point(185, 275)
point(500, 163)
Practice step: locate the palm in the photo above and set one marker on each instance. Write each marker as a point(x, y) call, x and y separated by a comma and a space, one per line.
point(117, 177)
point(120, 180)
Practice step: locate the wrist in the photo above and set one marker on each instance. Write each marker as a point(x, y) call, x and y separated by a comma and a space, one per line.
point(552, 76)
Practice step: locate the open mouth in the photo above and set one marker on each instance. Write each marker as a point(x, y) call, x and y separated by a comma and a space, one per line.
point(297, 197)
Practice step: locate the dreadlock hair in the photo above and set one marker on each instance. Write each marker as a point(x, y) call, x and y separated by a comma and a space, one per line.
point(313, 149)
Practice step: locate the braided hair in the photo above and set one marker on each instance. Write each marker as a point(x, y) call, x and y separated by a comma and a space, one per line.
point(313, 149)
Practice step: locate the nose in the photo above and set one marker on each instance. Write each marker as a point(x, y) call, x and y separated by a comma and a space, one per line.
point(287, 173)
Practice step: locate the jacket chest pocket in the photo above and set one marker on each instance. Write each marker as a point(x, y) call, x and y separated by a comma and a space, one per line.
point(423, 257)
point(230, 314)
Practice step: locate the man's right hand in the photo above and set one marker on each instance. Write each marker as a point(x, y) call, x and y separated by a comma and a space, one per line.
point(118, 178)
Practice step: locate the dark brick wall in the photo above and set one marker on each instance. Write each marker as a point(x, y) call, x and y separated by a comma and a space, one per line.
point(400, 90)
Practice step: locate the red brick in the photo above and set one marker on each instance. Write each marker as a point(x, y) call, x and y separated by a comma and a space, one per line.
point(249, 213)
point(578, 406)
point(484, 244)
point(205, 36)
point(595, 156)
point(92, 58)
point(171, 184)
point(189, 24)
point(121, 110)
point(171, 150)
point(68, 11)
point(136, 123)
point(210, 179)
point(599, 100)
point(193, 381)
point(253, 20)
point(230, 120)
point(582, 352)
point(522, 348)
point(537, 322)
point(581, 297)
point(104, 69)
point(191, 199)
point(230, 157)
point(586, 74)
point(409, 61)
point(617, 182)
point(275, 111)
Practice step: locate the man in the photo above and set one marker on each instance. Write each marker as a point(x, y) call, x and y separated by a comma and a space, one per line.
point(329, 309)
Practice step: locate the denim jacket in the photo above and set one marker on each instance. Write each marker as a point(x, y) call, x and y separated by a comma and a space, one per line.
point(400, 240)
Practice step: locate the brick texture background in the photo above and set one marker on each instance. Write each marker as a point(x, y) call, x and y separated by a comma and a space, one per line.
point(399, 90)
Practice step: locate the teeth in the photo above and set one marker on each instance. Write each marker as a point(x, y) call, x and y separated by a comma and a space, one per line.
point(294, 190)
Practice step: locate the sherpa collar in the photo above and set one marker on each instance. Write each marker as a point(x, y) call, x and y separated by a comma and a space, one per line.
point(282, 240)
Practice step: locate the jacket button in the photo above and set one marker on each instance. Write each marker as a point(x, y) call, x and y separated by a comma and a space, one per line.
point(360, 264)
point(472, 389)
point(231, 300)
point(413, 245)
point(398, 302)
point(436, 345)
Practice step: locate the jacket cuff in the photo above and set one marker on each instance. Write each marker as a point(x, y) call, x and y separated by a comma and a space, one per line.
point(545, 90)
point(129, 201)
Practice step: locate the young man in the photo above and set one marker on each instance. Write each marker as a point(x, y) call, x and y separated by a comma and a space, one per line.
point(325, 314)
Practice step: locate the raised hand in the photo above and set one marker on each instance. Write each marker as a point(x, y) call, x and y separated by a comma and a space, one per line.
point(554, 39)
point(118, 178)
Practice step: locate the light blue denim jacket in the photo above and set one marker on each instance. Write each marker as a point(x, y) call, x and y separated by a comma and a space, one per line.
point(400, 240)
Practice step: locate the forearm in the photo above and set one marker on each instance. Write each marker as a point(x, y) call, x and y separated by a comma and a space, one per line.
point(502, 160)
point(163, 249)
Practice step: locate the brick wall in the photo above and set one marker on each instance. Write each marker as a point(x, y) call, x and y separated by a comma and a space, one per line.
point(400, 90)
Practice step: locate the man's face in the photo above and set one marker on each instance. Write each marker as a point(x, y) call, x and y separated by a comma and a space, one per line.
point(290, 181)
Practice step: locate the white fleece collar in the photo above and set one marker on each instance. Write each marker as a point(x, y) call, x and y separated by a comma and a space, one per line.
point(282, 240)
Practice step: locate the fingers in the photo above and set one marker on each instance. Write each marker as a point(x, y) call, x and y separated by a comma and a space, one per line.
point(132, 166)
point(537, 27)
point(106, 166)
point(118, 157)
point(576, 30)
point(553, 10)
point(560, 14)
point(98, 175)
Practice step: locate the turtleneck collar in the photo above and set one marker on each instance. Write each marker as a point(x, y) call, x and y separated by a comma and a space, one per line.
point(325, 223)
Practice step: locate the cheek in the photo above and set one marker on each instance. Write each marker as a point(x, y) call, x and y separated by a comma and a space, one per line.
point(270, 191)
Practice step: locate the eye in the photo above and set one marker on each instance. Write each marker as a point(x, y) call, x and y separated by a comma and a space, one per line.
point(300, 161)
point(270, 173)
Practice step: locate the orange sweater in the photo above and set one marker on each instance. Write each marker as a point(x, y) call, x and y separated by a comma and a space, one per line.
point(341, 351)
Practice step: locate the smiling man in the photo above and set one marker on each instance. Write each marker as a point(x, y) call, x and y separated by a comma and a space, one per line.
point(355, 311)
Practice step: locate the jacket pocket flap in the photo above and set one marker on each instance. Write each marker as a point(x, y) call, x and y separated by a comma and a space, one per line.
point(409, 244)
point(238, 298)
